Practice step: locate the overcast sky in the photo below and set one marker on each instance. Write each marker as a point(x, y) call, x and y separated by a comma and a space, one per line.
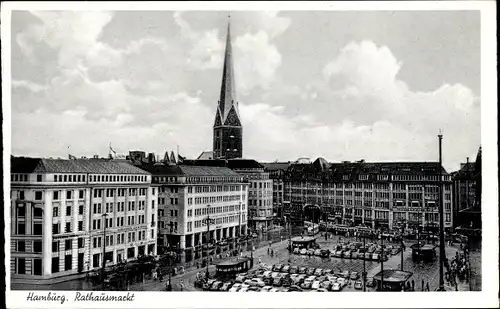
point(341, 85)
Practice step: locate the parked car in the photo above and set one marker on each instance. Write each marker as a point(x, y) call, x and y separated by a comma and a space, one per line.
point(354, 254)
point(285, 269)
point(395, 251)
point(342, 281)
point(268, 281)
point(310, 271)
point(336, 287)
point(321, 290)
point(257, 282)
point(274, 290)
point(239, 279)
point(316, 285)
point(354, 275)
point(303, 251)
point(358, 285)
point(310, 252)
point(216, 286)
point(307, 283)
point(277, 267)
point(318, 272)
point(338, 254)
point(253, 289)
point(327, 271)
point(368, 256)
point(267, 274)
point(294, 270)
point(266, 288)
point(331, 278)
point(225, 287)
point(243, 289)
point(275, 274)
point(317, 252)
point(346, 254)
point(296, 250)
point(295, 288)
point(326, 284)
point(235, 287)
point(278, 281)
point(325, 253)
point(370, 282)
point(376, 256)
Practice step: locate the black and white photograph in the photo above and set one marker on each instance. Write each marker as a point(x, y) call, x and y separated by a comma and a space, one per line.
point(250, 147)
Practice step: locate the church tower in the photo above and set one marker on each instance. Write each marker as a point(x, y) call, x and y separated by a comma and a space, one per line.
point(228, 131)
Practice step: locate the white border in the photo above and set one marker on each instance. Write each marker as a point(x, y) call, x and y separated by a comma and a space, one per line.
point(488, 297)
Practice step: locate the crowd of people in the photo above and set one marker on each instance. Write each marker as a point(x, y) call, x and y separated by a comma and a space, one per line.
point(458, 268)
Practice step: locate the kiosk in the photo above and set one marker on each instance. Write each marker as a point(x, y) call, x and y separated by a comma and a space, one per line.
point(227, 270)
point(393, 280)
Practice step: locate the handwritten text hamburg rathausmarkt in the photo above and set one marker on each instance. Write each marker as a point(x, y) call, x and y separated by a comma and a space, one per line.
point(80, 296)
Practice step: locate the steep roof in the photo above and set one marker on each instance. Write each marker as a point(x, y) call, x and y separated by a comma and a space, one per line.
point(227, 101)
point(92, 166)
point(188, 170)
point(231, 163)
point(276, 166)
point(206, 155)
point(320, 169)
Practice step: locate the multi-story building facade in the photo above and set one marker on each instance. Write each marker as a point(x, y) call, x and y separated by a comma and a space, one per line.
point(466, 194)
point(188, 195)
point(67, 214)
point(260, 191)
point(276, 172)
point(379, 195)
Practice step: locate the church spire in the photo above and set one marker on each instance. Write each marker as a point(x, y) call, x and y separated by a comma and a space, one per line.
point(227, 92)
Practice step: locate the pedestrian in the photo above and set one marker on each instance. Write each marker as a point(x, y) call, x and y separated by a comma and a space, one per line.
point(422, 284)
point(413, 285)
point(182, 285)
point(427, 287)
point(155, 275)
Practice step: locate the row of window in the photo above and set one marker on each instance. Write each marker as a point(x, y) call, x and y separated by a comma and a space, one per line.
point(120, 207)
point(116, 178)
point(214, 188)
point(121, 192)
point(56, 227)
point(215, 199)
point(221, 220)
point(253, 202)
point(363, 186)
point(212, 179)
point(261, 185)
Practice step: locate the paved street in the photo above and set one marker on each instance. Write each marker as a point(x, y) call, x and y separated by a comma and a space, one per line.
point(429, 272)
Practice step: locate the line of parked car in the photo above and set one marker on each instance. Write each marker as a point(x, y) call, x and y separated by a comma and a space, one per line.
point(288, 278)
point(353, 250)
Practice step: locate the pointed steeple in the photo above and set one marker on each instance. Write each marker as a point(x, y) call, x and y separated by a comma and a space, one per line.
point(228, 89)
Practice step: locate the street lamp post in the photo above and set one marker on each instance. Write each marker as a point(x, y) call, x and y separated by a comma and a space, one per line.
point(441, 219)
point(382, 262)
point(364, 262)
point(208, 220)
point(103, 271)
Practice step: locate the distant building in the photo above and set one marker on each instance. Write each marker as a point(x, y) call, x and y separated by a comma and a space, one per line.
point(277, 172)
point(378, 195)
point(228, 130)
point(260, 192)
point(60, 210)
point(188, 194)
point(467, 188)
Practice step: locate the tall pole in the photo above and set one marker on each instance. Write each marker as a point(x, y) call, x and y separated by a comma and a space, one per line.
point(103, 271)
point(208, 237)
point(441, 219)
point(382, 262)
point(402, 251)
point(364, 263)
